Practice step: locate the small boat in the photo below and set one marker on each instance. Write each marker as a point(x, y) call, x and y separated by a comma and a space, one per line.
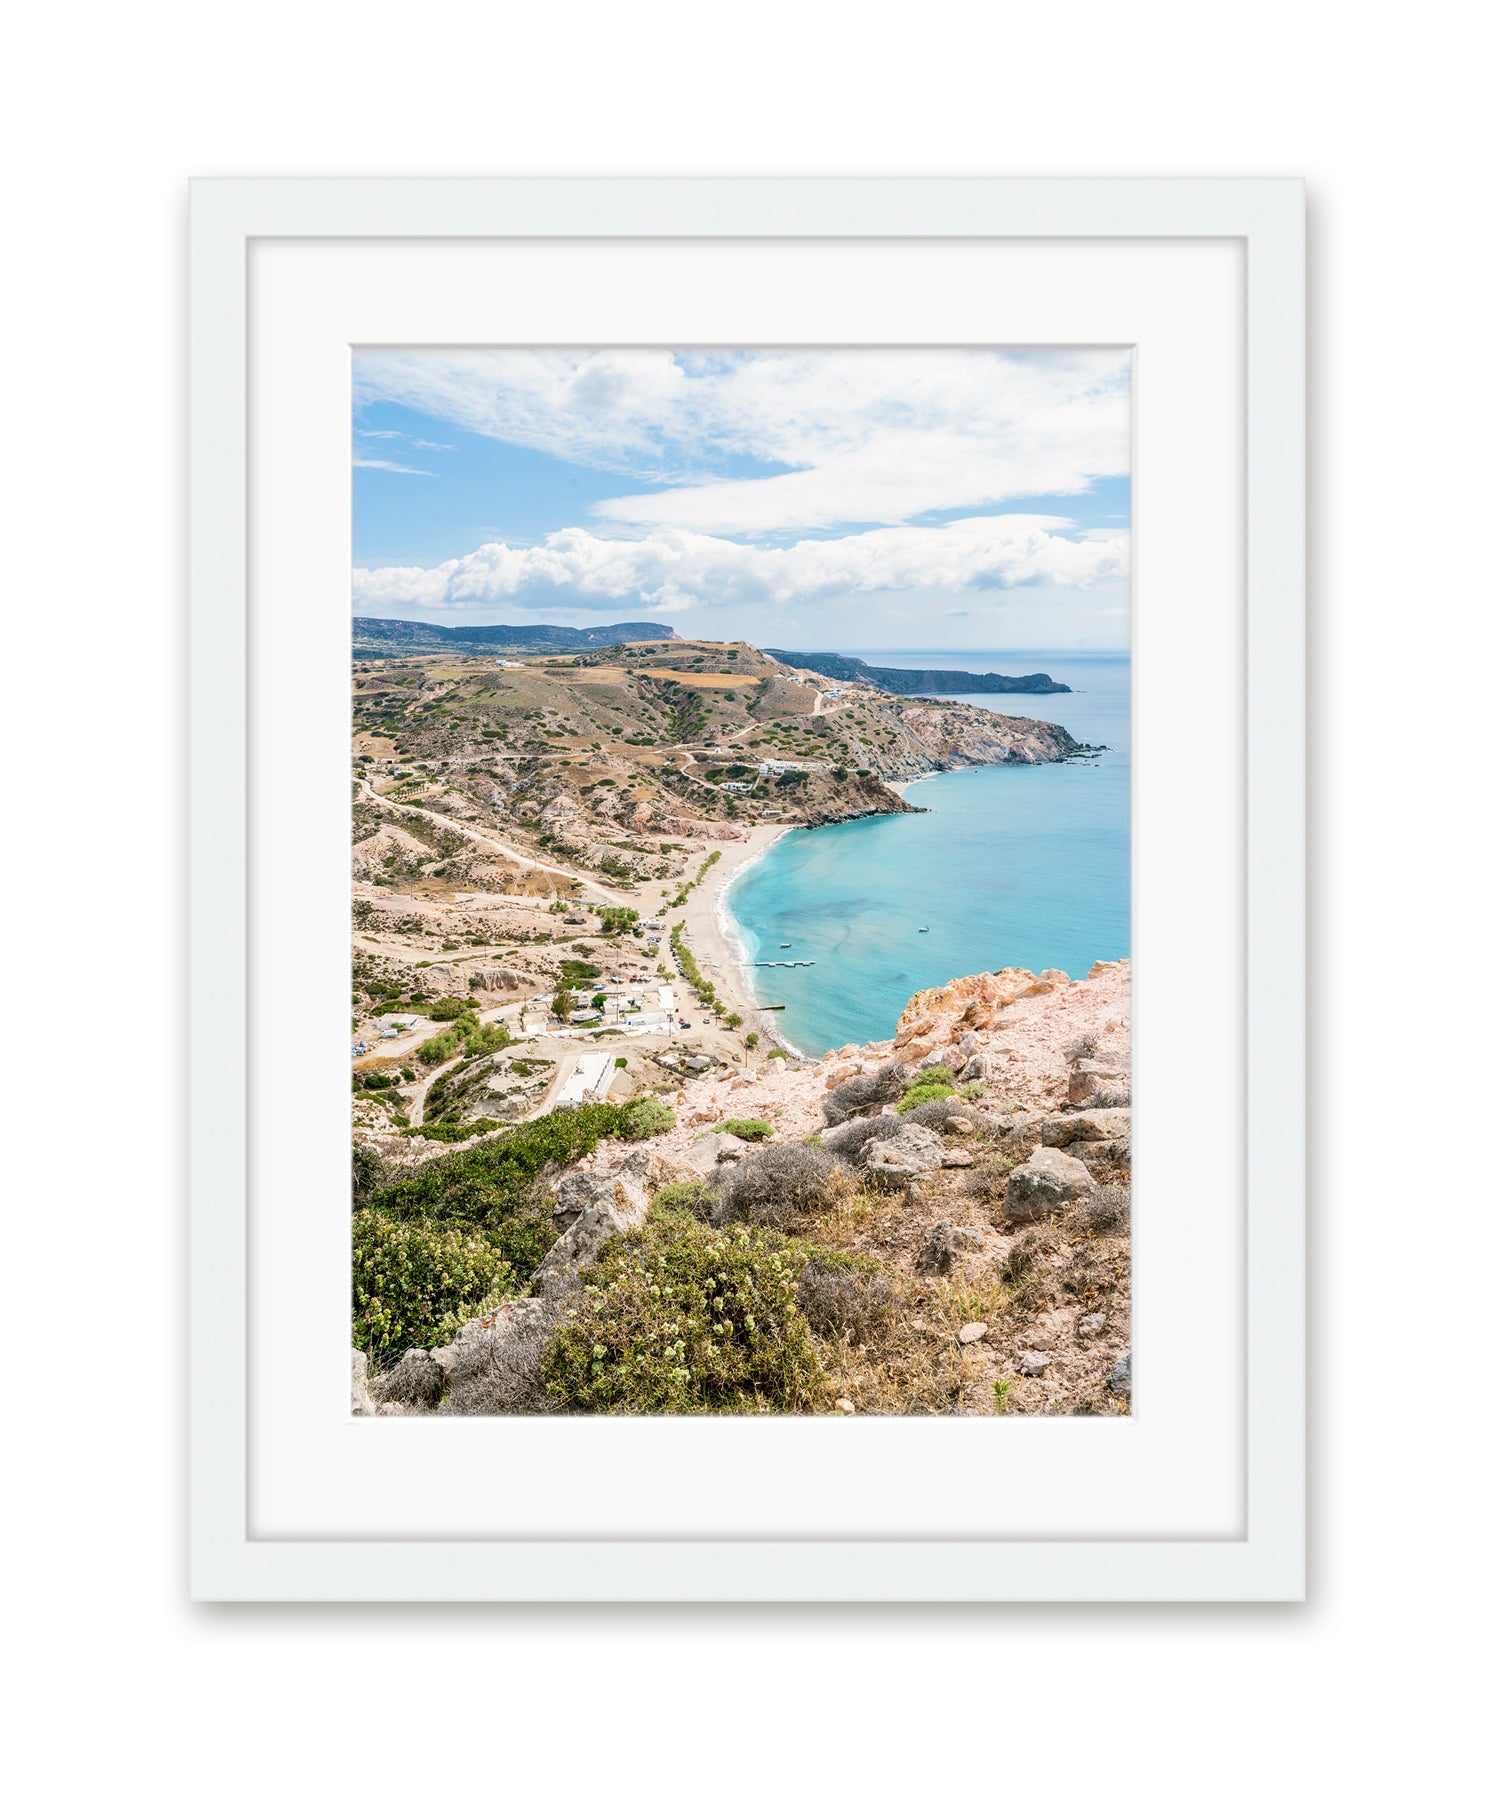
point(924, 928)
point(785, 946)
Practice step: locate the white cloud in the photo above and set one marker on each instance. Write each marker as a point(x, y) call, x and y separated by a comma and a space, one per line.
point(373, 462)
point(672, 569)
point(831, 436)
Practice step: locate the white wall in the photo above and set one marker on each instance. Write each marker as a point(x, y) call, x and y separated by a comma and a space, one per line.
point(1373, 1687)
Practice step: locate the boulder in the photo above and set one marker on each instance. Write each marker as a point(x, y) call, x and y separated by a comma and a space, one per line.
point(493, 1364)
point(946, 1244)
point(1118, 1379)
point(1115, 1150)
point(626, 1188)
point(1045, 1183)
point(653, 1169)
point(1090, 1325)
point(705, 1156)
point(561, 1269)
point(909, 1153)
point(1095, 1083)
point(415, 1384)
point(361, 1402)
point(1093, 1126)
point(1032, 1362)
point(972, 1333)
point(958, 1159)
point(576, 1193)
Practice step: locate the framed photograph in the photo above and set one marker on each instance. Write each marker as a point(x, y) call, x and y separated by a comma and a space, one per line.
point(747, 890)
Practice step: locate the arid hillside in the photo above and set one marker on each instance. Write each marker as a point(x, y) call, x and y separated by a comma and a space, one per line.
point(937, 1223)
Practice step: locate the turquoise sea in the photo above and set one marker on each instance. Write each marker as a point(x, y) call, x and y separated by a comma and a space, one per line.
point(1026, 867)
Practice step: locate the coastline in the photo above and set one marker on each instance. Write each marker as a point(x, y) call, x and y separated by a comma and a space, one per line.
point(712, 935)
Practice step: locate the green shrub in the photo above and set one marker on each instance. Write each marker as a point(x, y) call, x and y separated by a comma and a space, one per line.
point(413, 1279)
point(689, 1199)
point(441, 1048)
point(930, 1084)
point(778, 1051)
point(447, 1006)
point(495, 1183)
point(448, 1131)
point(748, 1129)
point(644, 1117)
point(680, 1318)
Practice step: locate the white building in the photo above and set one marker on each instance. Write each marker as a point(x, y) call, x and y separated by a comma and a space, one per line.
point(589, 1079)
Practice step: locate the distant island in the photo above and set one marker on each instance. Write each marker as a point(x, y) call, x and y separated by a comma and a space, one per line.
point(403, 637)
point(916, 681)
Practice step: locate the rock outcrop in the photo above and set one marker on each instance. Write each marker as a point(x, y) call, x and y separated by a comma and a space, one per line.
point(1044, 1184)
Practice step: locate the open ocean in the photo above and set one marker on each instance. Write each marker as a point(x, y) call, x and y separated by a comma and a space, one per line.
point(1024, 867)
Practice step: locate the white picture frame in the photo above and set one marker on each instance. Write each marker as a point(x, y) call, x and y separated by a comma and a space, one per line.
point(1262, 1559)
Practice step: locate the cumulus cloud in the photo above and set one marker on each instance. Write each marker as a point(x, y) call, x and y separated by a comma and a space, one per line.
point(671, 569)
point(744, 443)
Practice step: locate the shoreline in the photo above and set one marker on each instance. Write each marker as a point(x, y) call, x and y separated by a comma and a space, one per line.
point(711, 932)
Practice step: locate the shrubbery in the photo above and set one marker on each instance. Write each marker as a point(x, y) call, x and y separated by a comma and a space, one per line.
point(779, 1183)
point(845, 1296)
point(414, 1278)
point(748, 1129)
point(691, 1199)
point(679, 1318)
point(935, 1083)
point(466, 1036)
point(491, 1184)
point(644, 1117)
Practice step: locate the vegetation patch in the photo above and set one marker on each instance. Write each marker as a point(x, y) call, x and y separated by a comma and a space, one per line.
point(931, 1084)
point(414, 1278)
point(680, 1318)
point(748, 1129)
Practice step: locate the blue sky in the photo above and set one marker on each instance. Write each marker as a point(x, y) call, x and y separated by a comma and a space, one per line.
point(813, 497)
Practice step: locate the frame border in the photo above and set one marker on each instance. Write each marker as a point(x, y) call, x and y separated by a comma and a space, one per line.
point(1268, 1563)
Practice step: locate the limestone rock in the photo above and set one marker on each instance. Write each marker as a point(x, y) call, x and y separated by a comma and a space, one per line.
point(909, 1153)
point(957, 1159)
point(415, 1384)
point(1094, 1126)
point(972, 1333)
point(493, 1364)
point(971, 1003)
point(1045, 1183)
point(1118, 1379)
point(561, 1269)
point(1032, 1362)
point(1090, 1325)
point(361, 1403)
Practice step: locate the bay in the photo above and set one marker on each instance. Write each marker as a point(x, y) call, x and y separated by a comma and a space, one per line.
point(1007, 867)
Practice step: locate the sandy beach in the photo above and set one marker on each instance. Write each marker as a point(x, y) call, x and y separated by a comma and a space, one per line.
point(717, 954)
